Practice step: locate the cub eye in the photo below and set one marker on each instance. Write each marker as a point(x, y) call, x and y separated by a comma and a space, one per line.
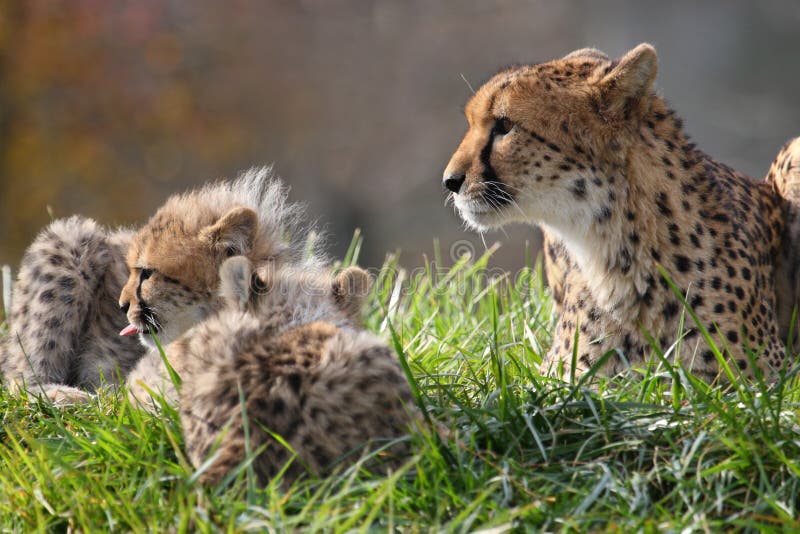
point(230, 252)
point(144, 274)
point(258, 285)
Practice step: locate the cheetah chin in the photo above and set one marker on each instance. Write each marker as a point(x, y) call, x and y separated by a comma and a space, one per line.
point(478, 217)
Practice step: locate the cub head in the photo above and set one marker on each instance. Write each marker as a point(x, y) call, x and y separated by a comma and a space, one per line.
point(541, 137)
point(289, 295)
point(175, 258)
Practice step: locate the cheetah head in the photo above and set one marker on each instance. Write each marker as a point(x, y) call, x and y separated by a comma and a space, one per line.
point(539, 135)
point(175, 258)
point(285, 296)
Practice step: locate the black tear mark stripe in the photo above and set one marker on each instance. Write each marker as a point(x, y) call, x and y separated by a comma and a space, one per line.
point(139, 290)
point(489, 174)
point(495, 192)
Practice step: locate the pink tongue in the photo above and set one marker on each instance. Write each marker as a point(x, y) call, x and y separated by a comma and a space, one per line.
point(129, 330)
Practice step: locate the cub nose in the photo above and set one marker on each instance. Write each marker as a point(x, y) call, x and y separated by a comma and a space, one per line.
point(454, 182)
point(124, 306)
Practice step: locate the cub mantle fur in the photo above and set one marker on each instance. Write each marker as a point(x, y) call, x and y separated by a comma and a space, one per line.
point(289, 351)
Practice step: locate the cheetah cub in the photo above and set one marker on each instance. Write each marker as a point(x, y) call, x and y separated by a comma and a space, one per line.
point(290, 344)
point(75, 294)
point(174, 262)
point(585, 148)
point(63, 325)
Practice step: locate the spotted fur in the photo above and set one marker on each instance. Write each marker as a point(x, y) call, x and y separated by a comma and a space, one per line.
point(174, 262)
point(291, 346)
point(64, 321)
point(585, 148)
point(174, 259)
point(784, 177)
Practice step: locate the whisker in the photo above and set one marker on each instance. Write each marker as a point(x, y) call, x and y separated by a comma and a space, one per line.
point(516, 205)
point(467, 82)
point(509, 186)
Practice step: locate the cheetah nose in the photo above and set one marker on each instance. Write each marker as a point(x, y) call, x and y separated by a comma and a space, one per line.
point(454, 182)
point(124, 306)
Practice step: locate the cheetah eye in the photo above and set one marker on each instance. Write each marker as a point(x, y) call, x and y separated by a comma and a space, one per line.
point(230, 252)
point(144, 274)
point(503, 126)
point(258, 285)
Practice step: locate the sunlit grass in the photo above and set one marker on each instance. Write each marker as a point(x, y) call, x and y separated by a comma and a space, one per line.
point(639, 453)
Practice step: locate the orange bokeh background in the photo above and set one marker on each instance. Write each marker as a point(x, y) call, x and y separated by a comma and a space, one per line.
point(108, 107)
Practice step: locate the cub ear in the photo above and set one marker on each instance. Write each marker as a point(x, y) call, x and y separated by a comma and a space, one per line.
point(350, 288)
point(233, 233)
point(234, 281)
point(629, 80)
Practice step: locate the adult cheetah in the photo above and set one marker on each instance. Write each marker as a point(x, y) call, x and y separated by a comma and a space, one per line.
point(585, 148)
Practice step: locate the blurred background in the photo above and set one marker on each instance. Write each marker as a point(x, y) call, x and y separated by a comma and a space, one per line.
point(108, 107)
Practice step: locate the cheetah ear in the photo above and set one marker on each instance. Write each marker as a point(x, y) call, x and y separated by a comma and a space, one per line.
point(629, 80)
point(234, 281)
point(233, 233)
point(588, 53)
point(350, 288)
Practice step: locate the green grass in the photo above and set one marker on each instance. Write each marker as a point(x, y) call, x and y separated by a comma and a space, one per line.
point(639, 453)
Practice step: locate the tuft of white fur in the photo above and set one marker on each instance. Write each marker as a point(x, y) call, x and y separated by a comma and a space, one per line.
point(280, 221)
